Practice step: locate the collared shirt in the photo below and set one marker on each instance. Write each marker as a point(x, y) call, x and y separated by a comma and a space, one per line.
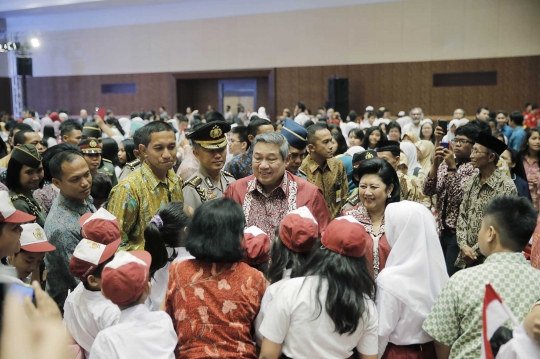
point(532, 172)
point(241, 166)
point(139, 333)
point(266, 210)
point(516, 138)
point(449, 191)
point(46, 196)
point(506, 131)
point(456, 316)
point(136, 199)
point(201, 187)
point(331, 179)
point(28, 204)
point(476, 195)
point(63, 231)
point(86, 313)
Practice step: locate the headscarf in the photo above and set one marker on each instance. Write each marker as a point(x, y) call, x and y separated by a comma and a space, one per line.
point(135, 126)
point(410, 151)
point(451, 135)
point(428, 150)
point(413, 136)
point(415, 272)
point(405, 120)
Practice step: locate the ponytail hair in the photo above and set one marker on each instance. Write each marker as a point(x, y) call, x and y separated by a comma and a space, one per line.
point(114, 121)
point(164, 231)
point(282, 258)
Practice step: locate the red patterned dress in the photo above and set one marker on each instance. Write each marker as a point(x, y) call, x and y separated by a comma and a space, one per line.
point(213, 306)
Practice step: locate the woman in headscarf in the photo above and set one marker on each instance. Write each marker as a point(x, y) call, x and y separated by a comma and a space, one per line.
point(414, 276)
point(452, 127)
point(414, 167)
point(427, 150)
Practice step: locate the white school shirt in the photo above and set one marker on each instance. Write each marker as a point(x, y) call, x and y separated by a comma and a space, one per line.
point(410, 127)
point(398, 324)
point(301, 118)
point(86, 313)
point(140, 333)
point(292, 321)
point(268, 296)
point(161, 278)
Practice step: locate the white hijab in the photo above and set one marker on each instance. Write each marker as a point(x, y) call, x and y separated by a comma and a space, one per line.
point(415, 272)
point(412, 156)
point(403, 121)
point(125, 123)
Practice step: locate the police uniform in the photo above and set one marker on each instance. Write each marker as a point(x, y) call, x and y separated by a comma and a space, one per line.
point(92, 146)
point(129, 168)
point(91, 130)
point(296, 136)
point(358, 158)
point(201, 187)
point(107, 168)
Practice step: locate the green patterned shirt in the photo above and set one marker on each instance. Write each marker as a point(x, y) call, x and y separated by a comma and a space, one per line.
point(456, 316)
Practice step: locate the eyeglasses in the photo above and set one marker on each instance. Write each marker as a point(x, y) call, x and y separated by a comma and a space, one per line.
point(475, 152)
point(462, 142)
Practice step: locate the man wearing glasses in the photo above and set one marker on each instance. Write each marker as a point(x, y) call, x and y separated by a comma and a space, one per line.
point(296, 135)
point(446, 179)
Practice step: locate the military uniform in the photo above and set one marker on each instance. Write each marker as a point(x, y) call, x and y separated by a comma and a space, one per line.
point(352, 200)
point(201, 187)
point(301, 174)
point(108, 168)
point(128, 168)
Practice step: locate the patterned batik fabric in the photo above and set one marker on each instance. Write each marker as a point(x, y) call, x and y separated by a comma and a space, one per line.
point(241, 166)
point(535, 250)
point(136, 199)
point(332, 180)
point(456, 316)
point(213, 306)
point(471, 212)
point(532, 172)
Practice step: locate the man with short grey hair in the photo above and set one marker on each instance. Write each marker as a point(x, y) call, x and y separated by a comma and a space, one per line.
point(271, 192)
point(417, 116)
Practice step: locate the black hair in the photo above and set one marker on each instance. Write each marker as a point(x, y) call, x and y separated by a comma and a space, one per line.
point(133, 115)
point(432, 137)
point(341, 144)
point(55, 166)
point(469, 130)
point(333, 126)
point(113, 121)
point(3, 148)
point(500, 337)
point(281, 258)
point(129, 146)
point(13, 175)
point(481, 108)
point(391, 125)
point(97, 272)
point(254, 124)
point(31, 113)
point(48, 132)
point(101, 185)
point(346, 282)
point(369, 131)
point(371, 114)
point(311, 130)
point(503, 112)
point(387, 174)
point(519, 169)
point(524, 146)
point(517, 118)
point(308, 124)
point(242, 132)
point(108, 112)
point(514, 218)
point(109, 150)
point(53, 151)
point(352, 116)
point(528, 104)
point(147, 130)
point(20, 137)
point(216, 231)
point(358, 133)
point(158, 239)
point(483, 126)
point(18, 126)
point(380, 113)
point(69, 126)
point(301, 106)
point(214, 116)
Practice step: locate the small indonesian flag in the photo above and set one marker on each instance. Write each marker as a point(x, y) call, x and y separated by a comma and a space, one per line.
point(494, 314)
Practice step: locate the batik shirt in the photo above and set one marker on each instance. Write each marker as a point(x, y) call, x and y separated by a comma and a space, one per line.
point(456, 316)
point(532, 172)
point(241, 165)
point(331, 179)
point(475, 198)
point(136, 199)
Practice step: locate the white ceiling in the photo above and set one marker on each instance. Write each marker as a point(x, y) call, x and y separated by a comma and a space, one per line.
point(58, 15)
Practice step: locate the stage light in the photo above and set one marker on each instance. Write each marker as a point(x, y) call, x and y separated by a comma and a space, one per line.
point(34, 42)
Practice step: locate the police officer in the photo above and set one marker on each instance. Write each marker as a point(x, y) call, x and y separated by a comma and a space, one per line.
point(91, 131)
point(296, 135)
point(210, 149)
point(91, 150)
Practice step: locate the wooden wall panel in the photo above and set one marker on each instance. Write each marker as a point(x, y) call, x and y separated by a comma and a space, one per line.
point(5, 94)
point(401, 86)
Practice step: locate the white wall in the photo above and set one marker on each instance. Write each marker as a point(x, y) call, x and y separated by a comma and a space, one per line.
point(412, 30)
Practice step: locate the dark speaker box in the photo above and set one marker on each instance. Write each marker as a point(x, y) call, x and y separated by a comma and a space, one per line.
point(24, 66)
point(338, 96)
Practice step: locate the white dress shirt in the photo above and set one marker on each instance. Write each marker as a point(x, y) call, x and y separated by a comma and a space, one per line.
point(411, 128)
point(140, 333)
point(161, 278)
point(292, 321)
point(86, 313)
point(397, 323)
point(301, 118)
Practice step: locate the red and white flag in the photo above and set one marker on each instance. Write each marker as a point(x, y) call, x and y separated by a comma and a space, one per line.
point(494, 314)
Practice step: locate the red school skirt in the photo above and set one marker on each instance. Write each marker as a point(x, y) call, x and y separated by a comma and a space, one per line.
point(415, 351)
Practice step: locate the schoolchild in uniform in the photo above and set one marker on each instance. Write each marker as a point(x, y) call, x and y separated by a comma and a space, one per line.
point(328, 313)
point(165, 242)
point(256, 248)
point(86, 310)
point(294, 239)
point(414, 276)
point(34, 245)
point(140, 333)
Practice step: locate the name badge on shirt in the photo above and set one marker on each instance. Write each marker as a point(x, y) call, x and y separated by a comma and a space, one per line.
point(338, 193)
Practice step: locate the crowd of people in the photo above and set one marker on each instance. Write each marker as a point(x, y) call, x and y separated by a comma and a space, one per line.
point(234, 236)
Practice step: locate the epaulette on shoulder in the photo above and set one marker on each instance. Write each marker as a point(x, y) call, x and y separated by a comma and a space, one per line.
point(194, 182)
point(354, 199)
point(106, 160)
point(134, 163)
point(228, 174)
